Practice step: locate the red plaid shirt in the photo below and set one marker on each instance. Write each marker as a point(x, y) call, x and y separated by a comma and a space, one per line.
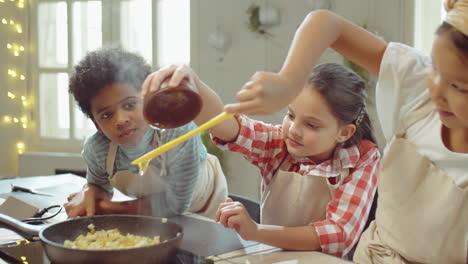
point(262, 145)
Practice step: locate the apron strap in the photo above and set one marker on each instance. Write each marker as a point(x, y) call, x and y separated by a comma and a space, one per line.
point(111, 158)
point(415, 116)
point(113, 151)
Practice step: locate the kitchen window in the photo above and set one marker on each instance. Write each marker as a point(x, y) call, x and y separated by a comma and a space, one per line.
point(68, 29)
point(429, 14)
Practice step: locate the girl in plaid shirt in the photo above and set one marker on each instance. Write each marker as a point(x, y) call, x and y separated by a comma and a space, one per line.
point(318, 168)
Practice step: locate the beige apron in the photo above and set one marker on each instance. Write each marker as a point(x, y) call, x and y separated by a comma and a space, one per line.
point(422, 216)
point(292, 199)
point(209, 191)
point(211, 188)
point(134, 184)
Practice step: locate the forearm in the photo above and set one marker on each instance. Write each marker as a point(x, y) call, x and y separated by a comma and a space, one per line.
point(97, 191)
point(212, 106)
point(291, 238)
point(317, 32)
point(140, 206)
point(323, 29)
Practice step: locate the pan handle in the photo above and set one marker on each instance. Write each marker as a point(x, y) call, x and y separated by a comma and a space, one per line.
point(30, 232)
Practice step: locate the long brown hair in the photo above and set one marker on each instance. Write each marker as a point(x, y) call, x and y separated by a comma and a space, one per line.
point(345, 94)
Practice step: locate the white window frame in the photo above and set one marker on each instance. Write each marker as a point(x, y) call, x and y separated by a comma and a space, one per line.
point(428, 15)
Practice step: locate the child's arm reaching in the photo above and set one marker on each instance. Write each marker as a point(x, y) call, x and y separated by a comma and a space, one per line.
point(84, 202)
point(267, 93)
point(212, 104)
point(140, 206)
point(234, 215)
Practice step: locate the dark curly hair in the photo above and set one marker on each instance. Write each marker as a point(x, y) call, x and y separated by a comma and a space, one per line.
point(103, 67)
point(345, 93)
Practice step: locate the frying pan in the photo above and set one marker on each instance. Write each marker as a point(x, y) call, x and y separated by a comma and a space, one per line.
point(53, 235)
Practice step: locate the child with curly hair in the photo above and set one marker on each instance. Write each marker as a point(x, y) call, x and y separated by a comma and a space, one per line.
point(106, 85)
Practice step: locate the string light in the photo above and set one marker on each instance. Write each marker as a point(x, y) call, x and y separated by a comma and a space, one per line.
point(16, 49)
point(14, 75)
point(23, 121)
point(24, 101)
point(7, 119)
point(20, 147)
point(16, 26)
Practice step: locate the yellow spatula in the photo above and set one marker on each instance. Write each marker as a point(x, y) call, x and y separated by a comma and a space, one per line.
point(144, 160)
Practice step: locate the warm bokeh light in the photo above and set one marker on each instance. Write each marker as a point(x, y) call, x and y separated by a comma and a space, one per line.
point(7, 119)
point(16, 49)
point(20, 147)
point(12, 73)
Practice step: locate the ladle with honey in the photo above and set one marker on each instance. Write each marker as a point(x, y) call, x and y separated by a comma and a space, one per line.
point(171, 108)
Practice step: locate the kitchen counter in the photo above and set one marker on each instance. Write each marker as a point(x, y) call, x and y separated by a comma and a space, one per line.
point(228, 247)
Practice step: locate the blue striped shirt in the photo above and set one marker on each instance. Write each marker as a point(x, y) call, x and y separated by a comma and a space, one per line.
point(182, 166)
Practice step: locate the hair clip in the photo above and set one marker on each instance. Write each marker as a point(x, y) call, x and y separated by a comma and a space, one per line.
point(361, 115)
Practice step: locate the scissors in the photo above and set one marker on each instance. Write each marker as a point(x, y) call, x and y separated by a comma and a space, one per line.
point(16, 188)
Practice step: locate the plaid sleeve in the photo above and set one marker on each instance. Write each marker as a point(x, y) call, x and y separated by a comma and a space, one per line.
point(348, 211)
point(261, 144)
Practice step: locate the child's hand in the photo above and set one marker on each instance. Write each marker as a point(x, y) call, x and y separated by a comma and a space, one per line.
point(265, 94)
point(234, 215)
point(82, 203)
point(176, 73)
